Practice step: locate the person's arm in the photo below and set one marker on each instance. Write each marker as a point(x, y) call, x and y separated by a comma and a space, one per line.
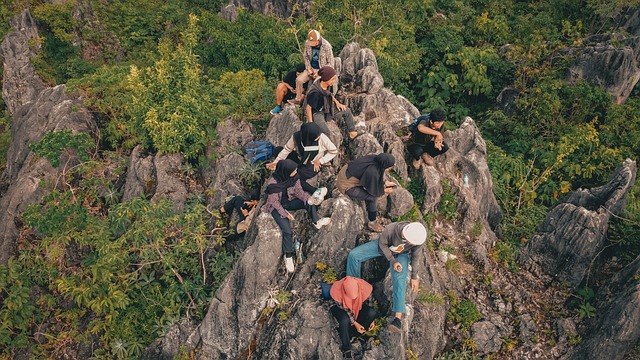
point(273, 201)
point(417, 262)
point(330, 149)
point(338, 104)
point(309, 112)
point(383, 244)
point(307, 58)
point(288, 148)
point(429, 131)
point(327, 49)
point(296, 191)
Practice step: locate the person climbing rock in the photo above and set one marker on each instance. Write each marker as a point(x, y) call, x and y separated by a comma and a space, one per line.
point(427, 142)
point(318, 52)
point(286, 89)
point(363, 179)
point(245, 210)
point(397, 243)
point(355, 317)
point(284, 192)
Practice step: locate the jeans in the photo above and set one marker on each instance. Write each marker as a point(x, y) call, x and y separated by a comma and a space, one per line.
point(359, 193)
point(365, 317)
point(285, 225)
point(416, 150)
point(344, 117)
point(236, 203)
point(369, 251)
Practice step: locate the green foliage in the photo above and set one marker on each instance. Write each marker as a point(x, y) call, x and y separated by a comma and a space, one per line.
point(506, 255)
point(574, 339)
point(429, 297)
point(448, 206)
point(244, 94)
point(54, 143)
point(418, 191)
point(412, 215)
point(463, 312)
point(329, 276)
point(5, 136)
point(251, 175)
point(476, 230)
point(459, 355)
point(581, 302)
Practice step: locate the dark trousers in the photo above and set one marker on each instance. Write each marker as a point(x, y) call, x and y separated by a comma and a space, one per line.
point(358, 193)
point(365, 317)
point(285, 225)
point(236, 203)
point(416, 150)
point(341, 117)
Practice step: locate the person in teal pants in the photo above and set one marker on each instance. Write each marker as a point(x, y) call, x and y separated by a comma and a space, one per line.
point(397, 242)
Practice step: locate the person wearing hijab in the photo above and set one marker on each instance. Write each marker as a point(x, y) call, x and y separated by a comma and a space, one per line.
point(318, 52)
point(363, 179)
point(245, 209)
point(284, 192)
point(311, 149)
point(354, 316)
point(322, 105)
point(396, 243)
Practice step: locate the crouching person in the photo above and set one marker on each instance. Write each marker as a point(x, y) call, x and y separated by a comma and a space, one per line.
point(245, 209)
point(354, 316)
point(397, 242)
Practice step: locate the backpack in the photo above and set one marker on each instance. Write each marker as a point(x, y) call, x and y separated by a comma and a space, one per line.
point(413, 127)
point(259, 151)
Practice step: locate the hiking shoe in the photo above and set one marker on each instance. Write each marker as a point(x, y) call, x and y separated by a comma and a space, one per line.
point(276, 110)
point(289, 265)
point(322, 222)
point(417, 163)
point(395, 326)
point(427, 159)
point(318, 196)
point(375, 226)
point(347, 354)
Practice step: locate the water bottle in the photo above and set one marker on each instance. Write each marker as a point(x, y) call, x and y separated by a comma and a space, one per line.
point(465, 179)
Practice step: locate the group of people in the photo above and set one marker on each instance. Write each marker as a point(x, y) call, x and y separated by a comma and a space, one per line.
point(301, 159)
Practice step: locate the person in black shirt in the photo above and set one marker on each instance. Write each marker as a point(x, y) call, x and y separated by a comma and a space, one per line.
point(322, 105)
point(286, 89)
point(427, 142)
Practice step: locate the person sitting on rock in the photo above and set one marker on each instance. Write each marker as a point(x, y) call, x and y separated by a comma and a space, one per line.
point(245, 210)
point(396, 242)
point(286, 89)
point(318, 52)
point(354, 316)
point(323, 106)
point(427, 142)
point(311, 149)
point(284, 192)
point(363, 179)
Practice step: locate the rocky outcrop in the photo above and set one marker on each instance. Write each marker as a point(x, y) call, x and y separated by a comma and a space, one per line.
point(141, 177)
point(20, 83)
point(277, 8)
point(611, 61)
point(568, 241)
point(95, 41)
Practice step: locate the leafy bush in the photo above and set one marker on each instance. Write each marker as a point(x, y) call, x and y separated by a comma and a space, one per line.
point(448, 206)
point(463, 312)
point(54, 143)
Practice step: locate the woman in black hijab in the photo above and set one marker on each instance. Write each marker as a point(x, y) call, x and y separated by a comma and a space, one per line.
point(284, 192)
point(363, 179)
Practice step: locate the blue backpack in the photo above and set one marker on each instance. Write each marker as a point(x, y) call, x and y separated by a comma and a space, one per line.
point(259, 151)
point(413, 127)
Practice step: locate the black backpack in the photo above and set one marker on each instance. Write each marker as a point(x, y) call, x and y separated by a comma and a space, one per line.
point(413, 127)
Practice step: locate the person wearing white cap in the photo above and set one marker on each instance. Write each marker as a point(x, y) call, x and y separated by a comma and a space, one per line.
point(397, 241)
point(318, 52)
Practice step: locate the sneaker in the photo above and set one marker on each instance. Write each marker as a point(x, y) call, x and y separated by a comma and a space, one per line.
point(395, 326)
point(347, 354)
point(318, 196)
point(417, 163)
point(375, 226)
point(288, 264)
point(276, 110)
point(322, 222)
point(427, 159)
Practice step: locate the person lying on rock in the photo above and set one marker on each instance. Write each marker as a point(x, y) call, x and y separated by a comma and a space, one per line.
point(323, 106)
point(354, 316)
point(318, 52)
point(284, 192)
point(245, 210)
point(310, 149)
point(286, 89)
point(396, 243)
point(363, 179)
point(427, 143)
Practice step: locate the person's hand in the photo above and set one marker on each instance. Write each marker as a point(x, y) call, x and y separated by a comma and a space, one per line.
point(372, 326)
point(289, 216)
point(415, 285)
point(251, 203)
point(316, 165)
point(438, 145)
point(397, 267)
point(390, 184)
point(271, 166)
point(340, 107)
point(353, 134)
point(293, 91)
point(359, 327)
point(388, 190)
point(244, 212)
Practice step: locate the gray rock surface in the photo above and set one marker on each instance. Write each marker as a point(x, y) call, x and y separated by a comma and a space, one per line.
point(224, 180)
point(20, 83)
point(506, 100)
point(170, 184)
point(141, 175)
point(166, 347)
point(282, 126)
point(487, 337)
point(277, 8)
point(566, 243)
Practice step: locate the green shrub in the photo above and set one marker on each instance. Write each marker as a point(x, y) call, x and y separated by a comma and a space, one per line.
point(463, 312)
point(53, 143)
point(448, 206)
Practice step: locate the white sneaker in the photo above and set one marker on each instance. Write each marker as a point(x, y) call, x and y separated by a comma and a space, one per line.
point(322, 222)
point(318, 196)
point(288, 264)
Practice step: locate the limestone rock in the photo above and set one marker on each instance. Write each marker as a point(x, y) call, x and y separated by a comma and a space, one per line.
point(141, 175)
point(282, 126)
point(224, 181)
point(169, 344)
point(569, 238)
point(169, 183)
point(506, 100)
point(487, 337)
point(232, 134)
point(278, 8)
point(20, 83)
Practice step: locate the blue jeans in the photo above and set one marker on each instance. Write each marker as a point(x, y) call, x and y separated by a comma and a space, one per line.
point(369, 251)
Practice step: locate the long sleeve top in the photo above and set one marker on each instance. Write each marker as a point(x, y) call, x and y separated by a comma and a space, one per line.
point(325, 58)
point(274, 200)
point(326, 150)
point(391, 243)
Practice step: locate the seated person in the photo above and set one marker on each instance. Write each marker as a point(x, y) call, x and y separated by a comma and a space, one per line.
point(286, 89)
point(245, 210)
point(354, 316)
point(318, 52)
point(363, 179)
point(427, 142)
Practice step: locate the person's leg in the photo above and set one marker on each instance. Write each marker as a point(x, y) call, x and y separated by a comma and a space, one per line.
point(360, 254)
point(415, 150)
point(297, 204)
point(343, 326)
point(319, 119)
point(300, 81)
point(281, 91)
point(366, 316)
point(287, 233)
point(358, 193)
point(346, 118)
point(431, 149)
point(399, 280)
point(306, 172)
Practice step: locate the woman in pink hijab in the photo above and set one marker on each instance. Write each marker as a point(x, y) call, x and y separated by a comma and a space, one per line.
point(353, 315)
